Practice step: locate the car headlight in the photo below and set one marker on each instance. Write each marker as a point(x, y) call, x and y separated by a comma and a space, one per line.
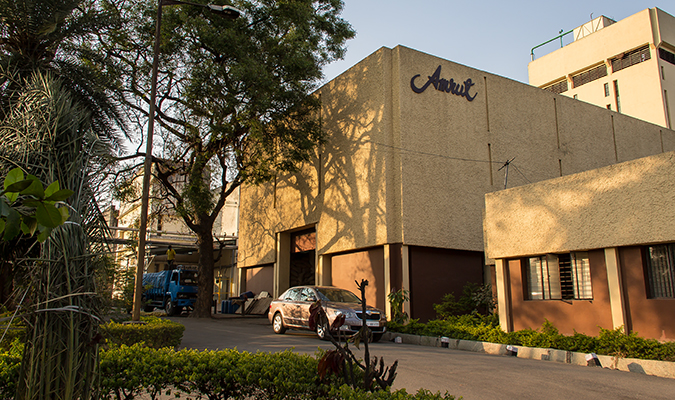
point(350, 314)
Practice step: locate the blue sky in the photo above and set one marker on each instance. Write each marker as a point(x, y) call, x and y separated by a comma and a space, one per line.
point(490, 35)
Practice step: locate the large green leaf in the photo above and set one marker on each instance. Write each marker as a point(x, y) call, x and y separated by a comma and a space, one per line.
point(59, 195)
point(35, 189)
point(48, 215)
point(64, 214)
point(2, 225)
point(4, 207)
point(19, 186)
point(28, 225)
point(13, 176)
point(52, 188)
point(13, 226)
point(44, 234)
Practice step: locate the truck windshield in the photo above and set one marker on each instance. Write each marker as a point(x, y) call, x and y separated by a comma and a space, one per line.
point(188, 278)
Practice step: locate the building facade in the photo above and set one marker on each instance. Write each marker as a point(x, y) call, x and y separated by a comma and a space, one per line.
point(588, 251)
point(626, 66)
point(396, 195)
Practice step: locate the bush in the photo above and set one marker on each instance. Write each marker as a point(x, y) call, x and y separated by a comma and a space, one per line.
point(486, 329)
point(155, 333)
point(127, 371)
point(10, 362)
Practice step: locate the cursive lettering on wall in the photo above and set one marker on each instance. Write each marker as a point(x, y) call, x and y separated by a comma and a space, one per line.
point(444, 85)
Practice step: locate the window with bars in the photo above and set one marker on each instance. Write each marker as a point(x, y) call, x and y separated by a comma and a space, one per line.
point(665, 55)
point(589, 76)
point(558, 87)
point(660, 271)
point(631, 58)
point(559, 277)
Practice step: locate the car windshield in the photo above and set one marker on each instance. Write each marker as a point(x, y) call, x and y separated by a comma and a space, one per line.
point(337, 295)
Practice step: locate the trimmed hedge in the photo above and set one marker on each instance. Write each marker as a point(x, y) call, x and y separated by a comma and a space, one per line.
point(130, 371)
point(127, 371)
point(155, 333)
point(486, 329)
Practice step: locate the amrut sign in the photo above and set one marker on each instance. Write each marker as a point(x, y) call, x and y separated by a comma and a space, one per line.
point(443, 85)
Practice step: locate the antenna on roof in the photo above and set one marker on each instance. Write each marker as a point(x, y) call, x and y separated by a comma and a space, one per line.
point(506, 174)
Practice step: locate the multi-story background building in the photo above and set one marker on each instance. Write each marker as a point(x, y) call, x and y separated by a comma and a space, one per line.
point(626, 66)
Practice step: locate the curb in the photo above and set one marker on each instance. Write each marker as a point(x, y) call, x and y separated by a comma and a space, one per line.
point(663, 369)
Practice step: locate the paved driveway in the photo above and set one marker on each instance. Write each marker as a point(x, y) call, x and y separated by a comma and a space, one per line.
point(471, 375)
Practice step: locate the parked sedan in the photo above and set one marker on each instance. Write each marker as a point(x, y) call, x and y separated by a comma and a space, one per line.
point(291, 310)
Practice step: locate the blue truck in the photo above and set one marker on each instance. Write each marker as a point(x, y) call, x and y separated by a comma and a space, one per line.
point(172, 290)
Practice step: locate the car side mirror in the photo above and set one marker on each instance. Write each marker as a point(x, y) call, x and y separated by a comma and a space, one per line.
point(311, 298)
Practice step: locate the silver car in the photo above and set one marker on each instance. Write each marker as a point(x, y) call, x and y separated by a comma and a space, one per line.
point(291, 310)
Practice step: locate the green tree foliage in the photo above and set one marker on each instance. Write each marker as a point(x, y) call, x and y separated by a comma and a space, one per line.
point(58, 123)
point(234, 102)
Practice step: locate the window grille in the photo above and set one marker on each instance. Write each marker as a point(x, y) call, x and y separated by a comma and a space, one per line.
point(559, 277)
point(661, 271)
point(589, 76)
point(665, 55)
point(557, 88)
point(631, 58)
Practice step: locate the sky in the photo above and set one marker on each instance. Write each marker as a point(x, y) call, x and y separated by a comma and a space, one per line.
point(490, 35)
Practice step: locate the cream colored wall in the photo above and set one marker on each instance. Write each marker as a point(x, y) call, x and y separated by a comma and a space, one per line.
point(618, 205)
point(627, 34)
point(640, 86)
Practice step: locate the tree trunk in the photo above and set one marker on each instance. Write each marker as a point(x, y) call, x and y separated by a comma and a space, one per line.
point(206, 278)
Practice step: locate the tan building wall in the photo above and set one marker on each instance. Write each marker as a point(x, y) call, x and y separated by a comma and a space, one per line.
point(618, 205)
point(646, 90)
point(412, 169)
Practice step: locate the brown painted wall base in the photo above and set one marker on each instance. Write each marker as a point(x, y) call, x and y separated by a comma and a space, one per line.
point(365, 264)
point(435, 272)
point(652, 318)
point(584, 316)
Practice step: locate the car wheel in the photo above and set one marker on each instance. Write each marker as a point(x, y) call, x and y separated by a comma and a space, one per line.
point(322, 330)
point(171, 308)
point(377, 337)
point(278, 324)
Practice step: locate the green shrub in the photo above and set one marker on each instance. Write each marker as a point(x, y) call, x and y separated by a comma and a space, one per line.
point(127, 371)
point(155, 332)
point(10, 362)
point(475, 299)
point(486, 329)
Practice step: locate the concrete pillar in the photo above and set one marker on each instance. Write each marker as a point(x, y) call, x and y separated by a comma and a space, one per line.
point(282, 268)
point(503, 298)
point(324, 270)
point(616, 300)
point(387, 279)
point(405, 275)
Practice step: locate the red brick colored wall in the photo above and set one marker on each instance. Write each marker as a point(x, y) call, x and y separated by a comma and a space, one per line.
point(584, 316)
point(651, 318)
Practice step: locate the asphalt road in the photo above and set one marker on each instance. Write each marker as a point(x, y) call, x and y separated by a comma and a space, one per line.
point(471, 375)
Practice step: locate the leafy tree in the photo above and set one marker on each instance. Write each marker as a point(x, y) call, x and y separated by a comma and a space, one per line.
point(234, 102)
point(58, 123)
